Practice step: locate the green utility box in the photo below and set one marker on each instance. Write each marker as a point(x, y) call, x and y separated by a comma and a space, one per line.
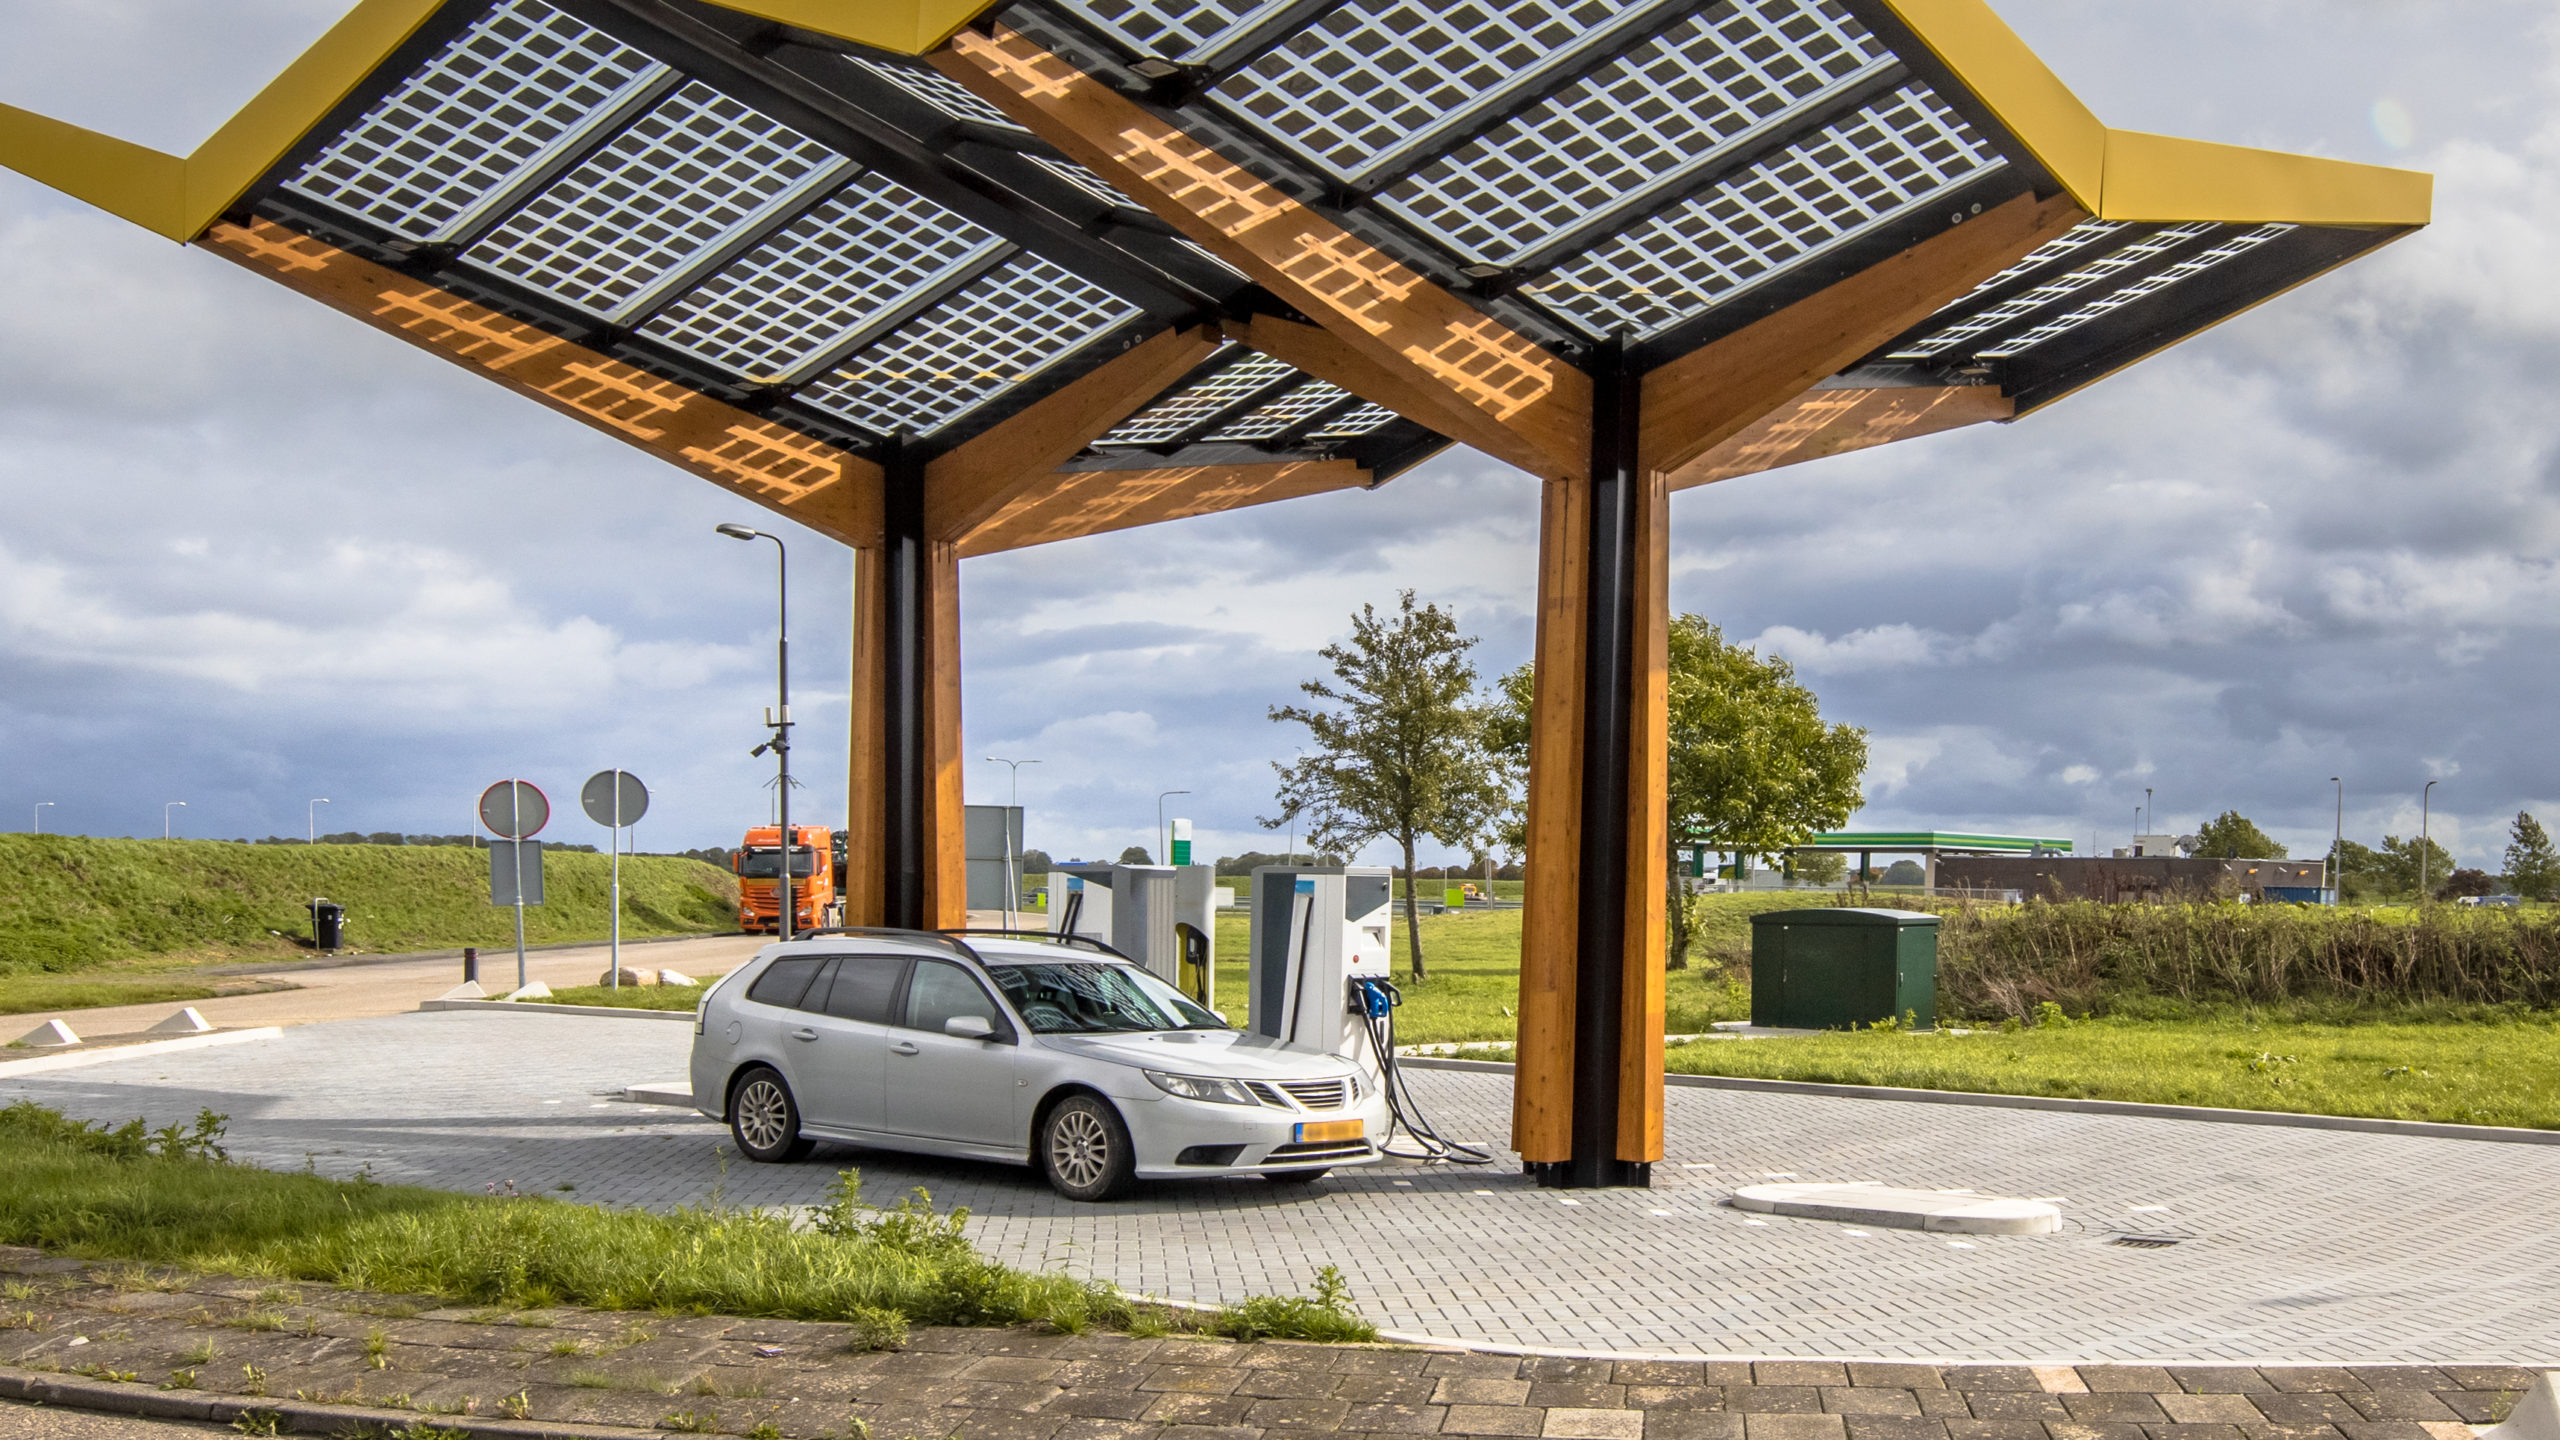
point(1835, 969)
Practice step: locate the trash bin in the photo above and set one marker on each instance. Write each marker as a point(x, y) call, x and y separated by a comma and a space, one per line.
point(1835, 968)
point(328, 924)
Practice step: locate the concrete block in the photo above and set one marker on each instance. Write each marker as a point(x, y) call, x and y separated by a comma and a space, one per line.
point(631, 975)
point(676, 977)
point(51, 1035)
point(2537, 1413)
point(185, 1022)
point(665, 1092)
point(1882, 1205)
point(467, 990)
point(535, 991)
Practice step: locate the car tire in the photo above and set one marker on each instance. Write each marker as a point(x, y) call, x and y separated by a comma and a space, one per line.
point(765, 1120)
point(1085, 1150)
point(1294, 1177)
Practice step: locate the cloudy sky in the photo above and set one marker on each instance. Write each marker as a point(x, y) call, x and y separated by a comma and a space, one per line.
point(252, 553)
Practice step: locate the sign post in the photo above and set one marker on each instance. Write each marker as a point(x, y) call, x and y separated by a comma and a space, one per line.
point(516, 810)
point(613, 799)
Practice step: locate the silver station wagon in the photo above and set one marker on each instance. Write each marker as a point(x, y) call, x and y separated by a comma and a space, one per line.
point(1022, 1048)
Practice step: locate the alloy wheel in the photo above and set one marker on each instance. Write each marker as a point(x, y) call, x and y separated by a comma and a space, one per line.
point(1079, 1147)
point(764, 1115)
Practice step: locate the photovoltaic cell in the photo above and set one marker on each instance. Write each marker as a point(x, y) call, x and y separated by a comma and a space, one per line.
point(1194, 403)
point(939, 91)
point(2054, 291)
point(1645, 121)
point(1085, 180)
point(1813, 195)
point(494, 103)
point(996, 333)
point(869, 248)
point(682, 178)
point(1355, 423)
point(2193, 265)
point(1312, 398)
point(1172, 29)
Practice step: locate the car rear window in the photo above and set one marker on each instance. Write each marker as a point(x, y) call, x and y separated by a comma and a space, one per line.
point(786, 980)
point(862, 988)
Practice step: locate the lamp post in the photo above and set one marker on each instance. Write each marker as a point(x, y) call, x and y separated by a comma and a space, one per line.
point(2424, 844)
point(2338, 848)
point(1012, 872)
point(780, 720)
point(1160, 830)
point(2149, 815)
point(40, 806)
point(164, 816)
point(311, 821)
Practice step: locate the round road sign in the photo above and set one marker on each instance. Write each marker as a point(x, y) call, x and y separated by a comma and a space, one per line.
point(514, 809)
point(614, 798)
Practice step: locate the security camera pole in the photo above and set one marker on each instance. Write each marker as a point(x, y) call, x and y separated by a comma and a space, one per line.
point(780, 719)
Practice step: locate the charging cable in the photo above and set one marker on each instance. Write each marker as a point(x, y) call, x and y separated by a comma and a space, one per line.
point(1376, 1001)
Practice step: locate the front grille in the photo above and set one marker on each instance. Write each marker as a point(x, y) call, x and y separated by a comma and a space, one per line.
point(1335, 1150)
point(1266, 1095)
point(1317, 1094)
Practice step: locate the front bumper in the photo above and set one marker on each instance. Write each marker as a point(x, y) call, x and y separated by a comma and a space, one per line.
point(1233, 1139)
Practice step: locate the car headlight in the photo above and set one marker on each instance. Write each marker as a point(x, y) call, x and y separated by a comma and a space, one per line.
point(1202, 1087)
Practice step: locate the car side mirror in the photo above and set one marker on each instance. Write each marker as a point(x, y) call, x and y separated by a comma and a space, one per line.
point(968, 1027)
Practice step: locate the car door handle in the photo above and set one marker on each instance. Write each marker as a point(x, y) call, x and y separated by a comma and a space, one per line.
point(903, 1047)
point(804, 1033)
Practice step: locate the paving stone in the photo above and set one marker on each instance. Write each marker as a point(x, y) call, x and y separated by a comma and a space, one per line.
point(2402, 1377)
point(2384, 1430)
point(2192, 1432)
point(2401, 1405)
point(1900, 1377)
point(1799, 1372)
point(2116, 1405)
point(2297, 1408)
point(1895, 1427)
point(1385, 1389)
point(2310, 1379)
point(1658, 1372)
point(1492, 1420)
point(1676, 1397)
point(1571, 1423)
point(2141, 1379)
point(1277, 1384)
point(1694, 1425)
point(1992, 1377)
point(1462, 1390)
point(2493, 1377)
point(2477, 1407)
point(1869, 1400)
point(2209, 1409)
point(2015, 1405)
point(2218, 1379)
point(1773, 1399)
point(1395, 1419)
point(1766, 1426)
point(1297, 1414)
point(1577, 1394)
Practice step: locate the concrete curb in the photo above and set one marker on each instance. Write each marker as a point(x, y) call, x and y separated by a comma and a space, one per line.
point(405, 957)
point(2430, 1129)
point(615, 1012)
point(103, 1053)
point(70, 1392)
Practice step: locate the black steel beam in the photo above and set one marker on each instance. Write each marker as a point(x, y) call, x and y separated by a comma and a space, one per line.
point(1616, 497)
point(907, 639)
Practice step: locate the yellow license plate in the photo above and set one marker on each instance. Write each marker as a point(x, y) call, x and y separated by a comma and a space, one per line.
point(1312, 1130)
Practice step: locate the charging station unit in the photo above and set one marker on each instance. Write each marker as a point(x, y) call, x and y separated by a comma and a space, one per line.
point(1197, 899)
point(1315, 931)
point(1162, 916)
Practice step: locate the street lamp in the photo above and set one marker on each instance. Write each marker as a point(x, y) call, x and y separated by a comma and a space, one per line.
point(780, 720)
point(40, 805)
point(164, 816)
point(2338, 848)
point(1160, 830)
point(2148, 813)
point(311, 821)
point(2424, 845)
point(1012, 862)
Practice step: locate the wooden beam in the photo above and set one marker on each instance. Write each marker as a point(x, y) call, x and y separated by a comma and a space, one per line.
point(1706, 397)
point(823, 487)
point(1091, 502)
point(1542, 1094)
point(1641, 1008)
point(969, 486)
point(1466, 374)
point(1834, 422)
point(946, 889)
point(866, 889)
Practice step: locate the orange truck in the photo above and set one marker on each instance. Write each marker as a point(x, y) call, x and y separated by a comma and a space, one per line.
point(817, 877)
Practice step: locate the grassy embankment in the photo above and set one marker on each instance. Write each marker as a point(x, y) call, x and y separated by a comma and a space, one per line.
point(168, 1198)
point(110, 922)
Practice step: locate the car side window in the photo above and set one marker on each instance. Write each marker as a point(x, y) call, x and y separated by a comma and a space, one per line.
point(940, 990)
point(864, 987)
point(786, 980)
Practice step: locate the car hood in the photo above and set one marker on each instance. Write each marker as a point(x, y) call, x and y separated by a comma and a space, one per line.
point(1206, 1052)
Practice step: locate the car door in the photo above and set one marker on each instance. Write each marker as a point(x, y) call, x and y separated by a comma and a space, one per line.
point(946, 1087)
point(769, 1018)
point(843, 1041)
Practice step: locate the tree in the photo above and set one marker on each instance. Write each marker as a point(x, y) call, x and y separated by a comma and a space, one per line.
point(2533, 867)
point(2465, 882)
point(2359, 870)
point(1401, 754)
point(2231, 836)
point(1135, 855)
point(1752, 767)
point(1822, 867)
point(1034, 862)
point(2400, 864)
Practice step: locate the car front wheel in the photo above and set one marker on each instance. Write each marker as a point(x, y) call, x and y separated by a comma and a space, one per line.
point(765, 1120)
point(1085, 1149)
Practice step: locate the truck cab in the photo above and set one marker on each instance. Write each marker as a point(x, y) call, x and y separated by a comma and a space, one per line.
point(816, 864)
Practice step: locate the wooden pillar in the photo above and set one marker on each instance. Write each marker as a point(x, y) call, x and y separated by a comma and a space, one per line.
point(905, 865)
point(1588, 1105)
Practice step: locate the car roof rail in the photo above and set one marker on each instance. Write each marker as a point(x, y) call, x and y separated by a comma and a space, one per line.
point(947, 939)
point(1050, 936)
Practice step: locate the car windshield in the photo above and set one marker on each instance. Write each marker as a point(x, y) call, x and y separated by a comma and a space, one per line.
point(1091, 997)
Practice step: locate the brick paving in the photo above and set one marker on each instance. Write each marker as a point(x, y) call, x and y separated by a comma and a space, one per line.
point(253, 1343)
point(2294, 1245)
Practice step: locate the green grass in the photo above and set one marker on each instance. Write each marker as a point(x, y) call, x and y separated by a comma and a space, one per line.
point(630, 997)
point(169, 1198)
point(74, 906)
point(2491, 1069)
point(24, 994)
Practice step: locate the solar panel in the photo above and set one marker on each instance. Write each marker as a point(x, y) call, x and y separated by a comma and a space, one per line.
point(683, 178)
point(2228, 249)
point(1355, 424)
point(1194, 403)
point(997, 332)
point(1809, 198)
point(1184, 30)
point(1291, 409)
point(2054, 291)
point(870, 249)
point(939, 91)
point(1671, 108)
point(505, 95)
